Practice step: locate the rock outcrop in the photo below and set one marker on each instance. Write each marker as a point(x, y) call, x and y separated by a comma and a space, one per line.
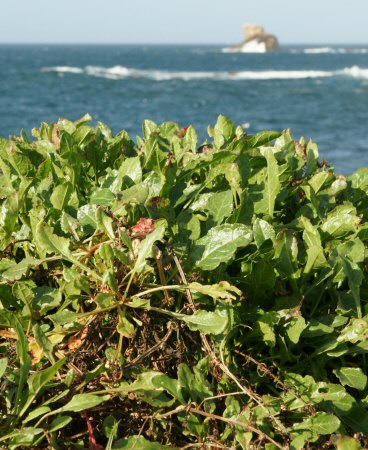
point(256, 41)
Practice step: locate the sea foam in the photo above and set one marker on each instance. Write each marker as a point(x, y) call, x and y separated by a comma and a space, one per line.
point(120, 72)
point(334, 50)
point(63, 69)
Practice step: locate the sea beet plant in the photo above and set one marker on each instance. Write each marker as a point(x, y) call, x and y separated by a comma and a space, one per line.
point(162, 294)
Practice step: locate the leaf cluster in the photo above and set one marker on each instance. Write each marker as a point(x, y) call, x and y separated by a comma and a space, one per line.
point(166, 294)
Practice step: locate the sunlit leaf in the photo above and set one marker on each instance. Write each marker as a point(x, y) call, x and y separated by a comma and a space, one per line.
point(220, 244)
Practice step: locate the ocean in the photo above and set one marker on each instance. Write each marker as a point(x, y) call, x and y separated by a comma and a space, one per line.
point(318, 92)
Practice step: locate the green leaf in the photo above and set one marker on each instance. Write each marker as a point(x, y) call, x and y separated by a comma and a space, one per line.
point(354, 249)
point(315, 259)
point(131, 168)
point(273, 185)
point(80, 402)
point(150, 386)
point(138, 193)
point(38, 381)
point(64, 317)
point(19, 270)
point(318, 181)
point(139, 443)
point(262, 138)
point(149, 127)
point(61, 195)
point(110, 427)
point(36, 413)
point(352, 376)
point(87, 216)
point(286, 253)
point(311, 234)
point(341, 222)
point(263, 231)
point(218, 291)
point(23, 437)
point(43, 341)
point(295, 328)
point(69, 225)
point(125, 327)
point(320, 423)
point(102, 197)
point(260, 278)
point(46, 298)
point(267, 332)
point(224, 131)
point(155, 157)
point(312, 158)
point(9, 211)
point(59, 423)
point(145, 248)
point(49, 242)
point(218, 205)
point(25, 364)
point(3, 366)
point(105, 223)
point(191, 139)
point(355, 279)
point(354, 332)
point(348, 443)
point(208, 322)
point(220, 244)
point(23, 291)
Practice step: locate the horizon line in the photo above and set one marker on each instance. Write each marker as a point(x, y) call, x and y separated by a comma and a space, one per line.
point(180, 43)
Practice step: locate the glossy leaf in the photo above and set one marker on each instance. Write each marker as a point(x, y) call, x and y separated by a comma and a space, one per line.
point(263, 231)
point(320, 423)
point(207, 322)
point(273, 183)
point(352, 376)
point(220, 244)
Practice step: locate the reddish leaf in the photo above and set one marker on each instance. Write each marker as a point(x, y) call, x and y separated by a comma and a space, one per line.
point(182, 132)
point(143, 227)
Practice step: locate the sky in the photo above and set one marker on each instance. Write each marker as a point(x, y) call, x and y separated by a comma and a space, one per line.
point(181, 21)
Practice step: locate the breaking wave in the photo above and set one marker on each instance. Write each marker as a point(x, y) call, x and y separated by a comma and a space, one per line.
point(121, 72)
point(334, 50)
point(63, 69)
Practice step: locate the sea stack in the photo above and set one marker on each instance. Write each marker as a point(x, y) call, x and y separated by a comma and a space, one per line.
point(256, 41)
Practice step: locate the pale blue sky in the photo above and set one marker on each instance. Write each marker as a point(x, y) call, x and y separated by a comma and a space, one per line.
point(189, 21)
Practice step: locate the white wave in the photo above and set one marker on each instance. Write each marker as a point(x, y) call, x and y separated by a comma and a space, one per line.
point(334, 50)
point(63, 69)
point(355, 72)
point(253, 46)
point(320, 50)
point(121, 72)
point(282, 75)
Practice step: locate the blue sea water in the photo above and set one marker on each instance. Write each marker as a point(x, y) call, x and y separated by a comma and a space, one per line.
point(319, 92)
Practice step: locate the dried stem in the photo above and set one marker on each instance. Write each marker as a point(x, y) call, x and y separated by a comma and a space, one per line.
point(221, 363)
point(237, 423)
